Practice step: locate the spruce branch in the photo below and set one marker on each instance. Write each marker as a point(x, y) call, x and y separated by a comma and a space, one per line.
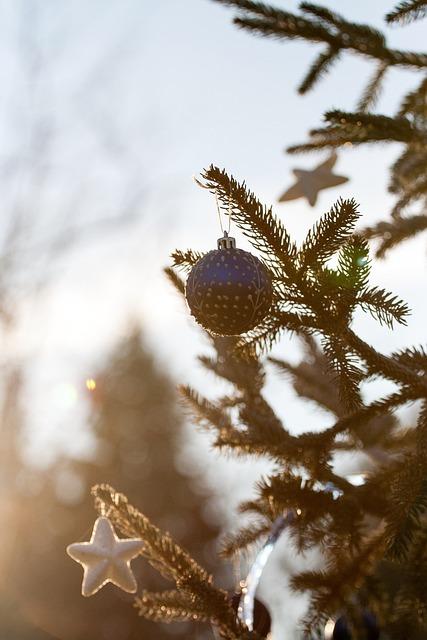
point(170, 606)
point(415, 101)
point(241, 373)
point(257, 8)
point(332, 588)
point(396, 231)
point(326, 314)
point(360, 128)
point(263, 437)
point(159, 549)
point(413, 357)
point(259, 418)
point(319, 68)
point(378, 363)
point(310, 378)
point(407, 171)
point(167, 557)
point(414, 191)
point(331, 18)
point(321, 26)
point(286, 491)
point(354, 265)
point(247, 374)
point(265, 231)
point(186, 259)
point(329, 233)
point(421, 437)
point(346, 367)
point(261, 508)
point(407, 11)
point(244, 538)
point(209, 415)
point(373, 89)
point(383, 306)
point(379, 407)
point(259, 431)
point(407, 504)
point(266, 334)
point(312, 298)
point(324, 14)
point(175, 280)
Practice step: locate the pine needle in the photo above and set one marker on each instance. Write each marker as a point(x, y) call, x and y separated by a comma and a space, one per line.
point(408, 11)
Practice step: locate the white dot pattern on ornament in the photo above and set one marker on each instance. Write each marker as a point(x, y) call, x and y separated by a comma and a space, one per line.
point(225, 268)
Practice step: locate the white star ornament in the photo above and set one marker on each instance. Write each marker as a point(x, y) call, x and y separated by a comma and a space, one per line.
point(106, 558)
point(309, 183)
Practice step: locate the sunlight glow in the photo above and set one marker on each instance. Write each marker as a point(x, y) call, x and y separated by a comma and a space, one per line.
point(64, 395)
point(90, 384)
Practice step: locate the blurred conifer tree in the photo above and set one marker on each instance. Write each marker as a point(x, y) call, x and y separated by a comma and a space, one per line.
point(138, 433)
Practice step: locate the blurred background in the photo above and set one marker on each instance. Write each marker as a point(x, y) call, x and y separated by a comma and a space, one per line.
point(107, 109)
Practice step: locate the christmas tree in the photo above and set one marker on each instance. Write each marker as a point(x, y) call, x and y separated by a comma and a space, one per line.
point(372, 536)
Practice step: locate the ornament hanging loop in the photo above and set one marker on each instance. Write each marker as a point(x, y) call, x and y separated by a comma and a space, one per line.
point(226, 242)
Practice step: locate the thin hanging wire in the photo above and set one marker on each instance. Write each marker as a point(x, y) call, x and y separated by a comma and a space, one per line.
point(218, 208)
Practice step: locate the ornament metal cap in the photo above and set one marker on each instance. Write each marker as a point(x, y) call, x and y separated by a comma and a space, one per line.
point(226, 242)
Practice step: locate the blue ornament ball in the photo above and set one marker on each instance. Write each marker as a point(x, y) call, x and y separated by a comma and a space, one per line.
point(262, 618)
point(369, 629)
point(229, 291)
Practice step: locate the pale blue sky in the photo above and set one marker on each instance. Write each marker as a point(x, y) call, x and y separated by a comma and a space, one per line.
point(140, 97)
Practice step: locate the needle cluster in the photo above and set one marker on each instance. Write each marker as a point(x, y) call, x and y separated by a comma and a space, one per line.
point(408, 126)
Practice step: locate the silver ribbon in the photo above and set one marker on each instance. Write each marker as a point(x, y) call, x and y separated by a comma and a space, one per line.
point(245, 610)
